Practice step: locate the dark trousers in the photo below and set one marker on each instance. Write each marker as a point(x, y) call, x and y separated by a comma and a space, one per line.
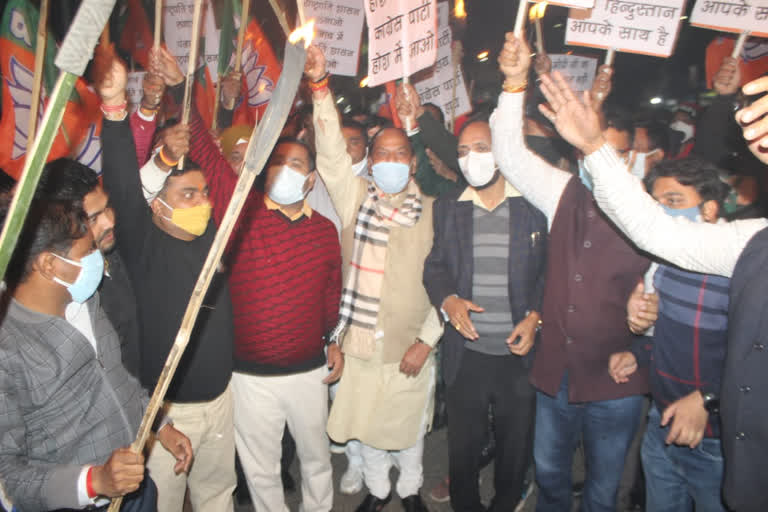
point(483, 380)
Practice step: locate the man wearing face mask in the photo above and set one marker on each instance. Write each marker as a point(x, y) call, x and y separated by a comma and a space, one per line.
point(69, 408)
point(591, 272)
point(388, 327)
point(164, 246)
point(684, 123)
point(487, 261)
point(650, 145)
point(681, 452)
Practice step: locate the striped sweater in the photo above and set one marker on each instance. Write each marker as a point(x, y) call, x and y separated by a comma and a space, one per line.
point(285, 276)
point(690, 337)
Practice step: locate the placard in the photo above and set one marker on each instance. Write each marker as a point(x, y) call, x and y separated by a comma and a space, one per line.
point(576, 4)
point(578, 71)
point(134, 90)
point(732, 16)
point(649, 27)
point(402, 38)
point(438, 87)
point(338, 29)
point(177, 30)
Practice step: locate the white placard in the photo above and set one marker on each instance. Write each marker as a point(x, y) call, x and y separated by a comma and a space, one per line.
point(578, 71)
point(649, 27)
point(576, 4)
point(338, 29)
point(177, 26)
point(134, 89)
point(402, 38)
point(732, 16)
point(438, 87)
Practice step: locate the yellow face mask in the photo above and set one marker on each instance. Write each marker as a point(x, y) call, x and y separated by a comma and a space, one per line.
point(193, 220)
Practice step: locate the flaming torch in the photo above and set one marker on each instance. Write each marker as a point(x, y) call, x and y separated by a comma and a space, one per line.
point(536, 13)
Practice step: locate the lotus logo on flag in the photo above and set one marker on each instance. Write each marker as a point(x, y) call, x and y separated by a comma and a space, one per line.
point(260, 87)
point(20, 86)
point(89, 152)
point(19, 29)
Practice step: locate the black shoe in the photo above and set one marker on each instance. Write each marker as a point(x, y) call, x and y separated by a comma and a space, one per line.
point(373, 504)
point(289, 485)
point(413, 503)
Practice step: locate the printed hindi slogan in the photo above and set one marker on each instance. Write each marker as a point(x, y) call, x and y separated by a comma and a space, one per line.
point(134, 90)
point(732, 16)
point(338, 29)
point(578, 71)
point(438, 87)
point(649, 27)
point(177, 27)
point(402, 38)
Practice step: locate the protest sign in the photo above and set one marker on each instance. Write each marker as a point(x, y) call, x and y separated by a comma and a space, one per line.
point(134, 90)
point(649, 27)
point(402, 38)
point(177, 24)
point(732, 16)
point(438, 86)
point(576, 4)
point(578, 71)
point(338, 29)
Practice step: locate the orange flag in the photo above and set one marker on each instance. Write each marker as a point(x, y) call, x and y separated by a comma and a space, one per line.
point(753, 61)
point(260, 73)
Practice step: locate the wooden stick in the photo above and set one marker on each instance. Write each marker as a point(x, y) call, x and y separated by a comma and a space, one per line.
point(259, 148)
point(740, 44)
point(539, 37)
point(215, 121)
point(280, 15)
point(300, 10)
point(609, 56)
point(42, 38)
point(522, 13)
point(197, 16)
point(158, 22)
point(241, 34)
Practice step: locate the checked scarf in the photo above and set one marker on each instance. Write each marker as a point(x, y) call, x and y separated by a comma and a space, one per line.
point(362, 290)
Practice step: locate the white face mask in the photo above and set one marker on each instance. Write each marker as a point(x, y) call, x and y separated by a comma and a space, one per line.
point(639, 167)
point(361, 167)
point(478, 168)
point(683, 127)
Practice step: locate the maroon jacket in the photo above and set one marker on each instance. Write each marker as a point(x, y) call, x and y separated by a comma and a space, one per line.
point(592, 269)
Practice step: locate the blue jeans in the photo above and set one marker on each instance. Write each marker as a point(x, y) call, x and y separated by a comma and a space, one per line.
point(606, 428)
point(677, 477)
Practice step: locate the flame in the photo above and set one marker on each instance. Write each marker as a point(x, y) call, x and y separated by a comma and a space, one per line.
point(364, 82)
point(537, 11)
point(305, 32)
point(458, 10)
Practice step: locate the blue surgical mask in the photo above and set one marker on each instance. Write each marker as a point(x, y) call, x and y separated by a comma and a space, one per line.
point(91, 272)
point(584, 176)
point(288, 187)
point(391, 177)
point(693, 214)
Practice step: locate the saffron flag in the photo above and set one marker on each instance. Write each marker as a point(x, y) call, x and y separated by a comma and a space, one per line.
point(136, 36)
point(753, 61)
point(260, 73)
point(17, 62)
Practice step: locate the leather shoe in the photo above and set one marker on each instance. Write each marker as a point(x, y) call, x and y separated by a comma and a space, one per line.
point(373, 504)
point(413, 503)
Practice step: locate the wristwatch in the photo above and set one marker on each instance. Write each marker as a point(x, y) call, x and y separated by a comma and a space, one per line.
point(711, 402)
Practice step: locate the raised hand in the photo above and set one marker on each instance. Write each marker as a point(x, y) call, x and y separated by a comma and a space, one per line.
point(231, 86)
point(542, 64)
point(404, 105)
point(153, 89)
point(514, 61)
point(575, 119)
point(162, 63)
point(601, 87)
point(754, 119)
point(314, 68)
point(175, 141)
point(726, 80)
point(111, 87)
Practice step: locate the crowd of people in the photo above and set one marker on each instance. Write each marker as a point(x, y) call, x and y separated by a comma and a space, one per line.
point(552, 277)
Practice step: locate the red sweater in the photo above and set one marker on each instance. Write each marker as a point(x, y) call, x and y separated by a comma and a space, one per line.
point(285, 278)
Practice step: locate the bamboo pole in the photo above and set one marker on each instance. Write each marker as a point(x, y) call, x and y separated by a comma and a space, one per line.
point(300, 9)
point(259, 148)
point(739, 44)
point(197, 16)
point(42, 39)
point(158, 22)
point(610, 55)
point(522, 11)
point(241, 34)
point(280, 15)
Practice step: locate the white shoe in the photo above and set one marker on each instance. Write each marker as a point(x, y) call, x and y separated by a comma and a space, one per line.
point(352, 481)
point(338, 449)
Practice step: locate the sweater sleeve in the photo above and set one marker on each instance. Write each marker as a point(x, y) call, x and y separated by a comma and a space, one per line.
point(695, 246)
point(219, 175)
point(122, 183)
point(333, 163)
point(143, 131)
point(31, 484)
point(540, 182)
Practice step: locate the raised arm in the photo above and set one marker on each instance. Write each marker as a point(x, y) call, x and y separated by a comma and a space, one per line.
point(333, 163)
point(699, 247)
point(541, 183)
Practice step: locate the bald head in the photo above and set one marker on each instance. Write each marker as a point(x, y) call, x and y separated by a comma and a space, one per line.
point(391, 145)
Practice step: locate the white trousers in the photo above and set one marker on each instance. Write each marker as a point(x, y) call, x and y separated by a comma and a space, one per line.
point(263, 405)
point(377, 463)
point(211, 479)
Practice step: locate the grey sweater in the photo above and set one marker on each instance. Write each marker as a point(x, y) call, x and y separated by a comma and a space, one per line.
point(62, 406)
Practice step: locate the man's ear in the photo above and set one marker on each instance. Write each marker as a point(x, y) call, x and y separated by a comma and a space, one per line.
point(310, 183)
point(44, 264)
point(156, 206)
point(710, 211)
